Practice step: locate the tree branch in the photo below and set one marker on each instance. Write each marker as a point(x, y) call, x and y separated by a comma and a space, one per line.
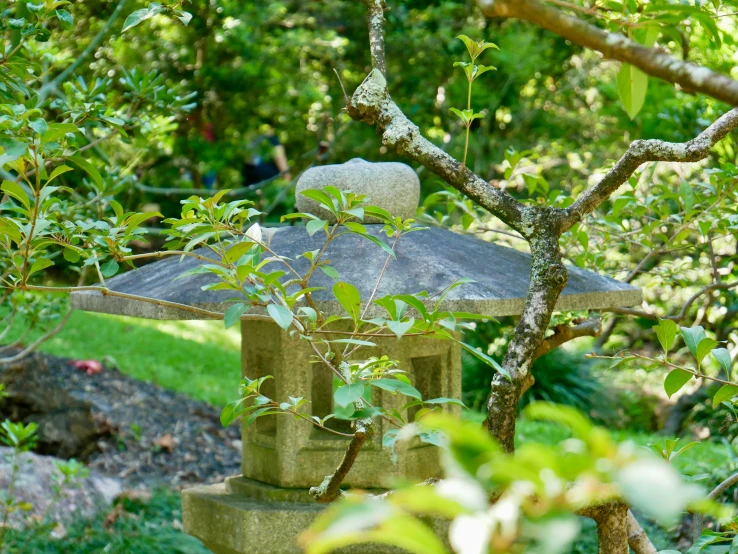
point(43, 338)
point(372, 104)
point(642, 151)
point(375, 23)
point(722, 487)
point(637, 538)
point(616, 46)
point(564, 333)
point(698, 520)
point(683, 312)
point(612, 526)
point(330, 489)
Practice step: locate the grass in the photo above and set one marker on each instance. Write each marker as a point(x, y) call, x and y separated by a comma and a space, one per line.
point(198, 358)
point(151, 528)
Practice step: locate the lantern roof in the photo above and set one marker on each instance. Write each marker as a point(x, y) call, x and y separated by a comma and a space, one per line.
point(429, 260)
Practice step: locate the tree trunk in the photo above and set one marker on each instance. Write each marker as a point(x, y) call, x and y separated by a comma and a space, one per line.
point(547, 279)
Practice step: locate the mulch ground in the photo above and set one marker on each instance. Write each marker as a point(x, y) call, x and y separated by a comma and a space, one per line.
point(148, 435)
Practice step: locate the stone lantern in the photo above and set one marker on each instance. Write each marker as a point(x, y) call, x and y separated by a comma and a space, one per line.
point(263, 510)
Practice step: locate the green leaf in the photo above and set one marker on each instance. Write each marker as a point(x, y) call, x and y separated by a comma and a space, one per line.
point(90, 169)
point(383, 245)
point(234, 253)
point(39, 125)
point(132, 222)
point(379, 213)
point(480, 69)
point(281, 315)
point(60, 170)
point(444, 400)
point(349, 297)
point(233, 314)
point(321, 198)
point(58, 130)
point(486, 359)
point(475, 48)
point(16, 191)
point(141, 15)
point(395, 386)
point(109, 268)
point(676, 379)
point(399, 328)
point(687, 195)
point(65, 19)
point(348, 394)
point(722, 356)
point(71, 255)
point(666, 331)
point(692, 337)
point(632, 87)
point(357, 342)
point(703, 349)
point(315, 225)
point(311, 314)
point(330, 271)
point(38, 265)
point(229, 414)
point(184, 17)
point(726, 392)
point(12, 150)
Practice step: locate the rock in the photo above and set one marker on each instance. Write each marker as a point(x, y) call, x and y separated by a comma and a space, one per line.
point(34, 485)
point(389, 185)
point(56, 401)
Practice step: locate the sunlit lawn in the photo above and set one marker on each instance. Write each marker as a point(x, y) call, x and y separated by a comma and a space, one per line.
point(198, 358)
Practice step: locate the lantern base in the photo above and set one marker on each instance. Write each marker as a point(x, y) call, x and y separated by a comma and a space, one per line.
point(243, 516)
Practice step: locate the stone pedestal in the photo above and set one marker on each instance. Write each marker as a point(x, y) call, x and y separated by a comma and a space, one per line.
point(228, 521)
point(264, 510)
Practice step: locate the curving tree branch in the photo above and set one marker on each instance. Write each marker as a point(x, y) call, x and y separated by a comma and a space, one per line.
point(616, 46)
point(642, 151)
point(372, 104)
point(564, 333)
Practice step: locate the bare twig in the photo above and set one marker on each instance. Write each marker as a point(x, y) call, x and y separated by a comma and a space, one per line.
point(667, 364)
point(38, 342)
point(685, 308)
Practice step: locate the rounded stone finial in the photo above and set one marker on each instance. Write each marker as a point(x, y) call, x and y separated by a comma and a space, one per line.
point(392, 186)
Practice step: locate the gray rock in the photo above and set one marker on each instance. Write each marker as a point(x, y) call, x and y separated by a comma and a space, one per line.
point(34, 485)
point(68, 425)
point(389, 185)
